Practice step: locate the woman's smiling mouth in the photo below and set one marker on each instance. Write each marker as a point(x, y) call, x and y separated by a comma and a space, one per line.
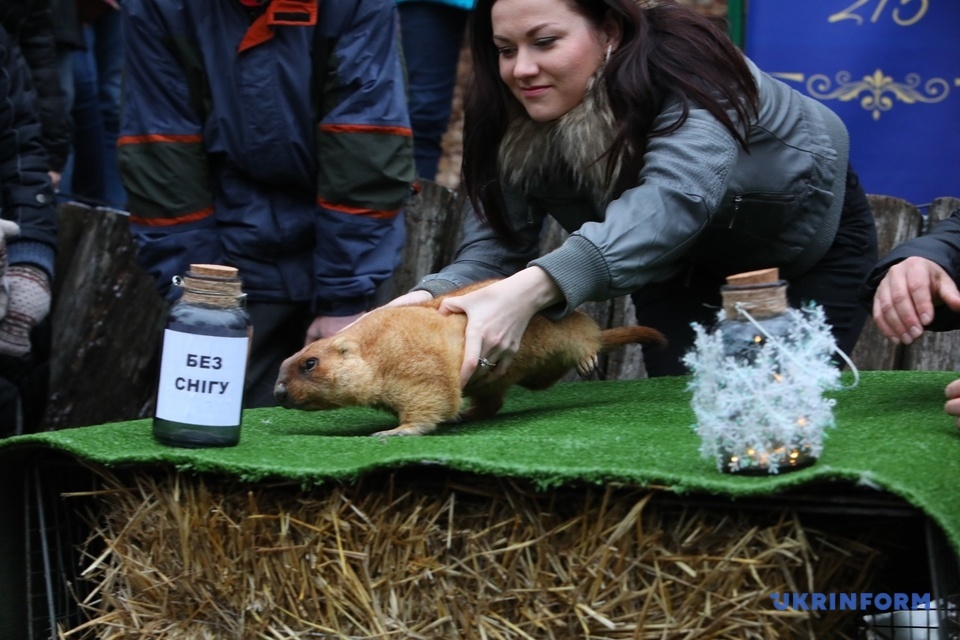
point(533, 92)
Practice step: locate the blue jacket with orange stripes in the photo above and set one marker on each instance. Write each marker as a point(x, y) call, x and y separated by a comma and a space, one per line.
point(275, 141)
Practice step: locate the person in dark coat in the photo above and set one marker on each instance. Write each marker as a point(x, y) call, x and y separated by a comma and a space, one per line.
point(30, 24)
point(67, 31)
point(68, 37)
point(28, 230)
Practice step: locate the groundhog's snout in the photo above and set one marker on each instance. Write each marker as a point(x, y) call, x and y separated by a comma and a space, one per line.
point(280, 393)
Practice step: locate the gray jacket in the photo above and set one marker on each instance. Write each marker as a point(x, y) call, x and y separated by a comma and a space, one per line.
point(699, 198)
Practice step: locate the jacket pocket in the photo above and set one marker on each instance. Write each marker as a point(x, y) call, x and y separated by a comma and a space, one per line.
point(756, 213)
point(749, 231)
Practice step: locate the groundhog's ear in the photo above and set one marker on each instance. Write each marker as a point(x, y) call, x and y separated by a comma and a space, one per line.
point(343, 346)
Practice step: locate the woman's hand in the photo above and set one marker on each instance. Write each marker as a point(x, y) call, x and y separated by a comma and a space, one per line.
point(322, 326)
point(497, 316)
point(326, 326)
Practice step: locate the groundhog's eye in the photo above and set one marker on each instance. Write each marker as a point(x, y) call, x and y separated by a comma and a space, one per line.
point(310, 364)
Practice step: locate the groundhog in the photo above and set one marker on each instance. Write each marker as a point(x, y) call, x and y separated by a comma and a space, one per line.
point(406, 360)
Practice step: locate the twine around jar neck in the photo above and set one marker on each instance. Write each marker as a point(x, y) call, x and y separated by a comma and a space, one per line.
point(212, 285)
point(761, 292)
point(762, 300)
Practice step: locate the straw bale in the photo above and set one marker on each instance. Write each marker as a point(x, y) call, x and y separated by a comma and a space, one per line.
point(400, 555)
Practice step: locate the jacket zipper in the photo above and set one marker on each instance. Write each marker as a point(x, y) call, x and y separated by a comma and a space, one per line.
point(736, 209)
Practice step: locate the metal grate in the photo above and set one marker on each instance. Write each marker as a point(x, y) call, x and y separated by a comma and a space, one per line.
point(939, 621)
point(55, 531)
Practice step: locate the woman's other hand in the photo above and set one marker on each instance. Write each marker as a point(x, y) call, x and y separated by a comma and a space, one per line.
point(414, 297)
point(905, 299)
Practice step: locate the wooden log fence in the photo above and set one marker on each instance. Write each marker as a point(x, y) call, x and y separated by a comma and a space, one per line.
point(107, 317)
point(106, 322)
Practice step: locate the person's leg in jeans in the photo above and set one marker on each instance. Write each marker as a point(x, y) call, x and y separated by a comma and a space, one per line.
point(432, 74)
point(84, 176)
point(108, 57)
point(65, 70)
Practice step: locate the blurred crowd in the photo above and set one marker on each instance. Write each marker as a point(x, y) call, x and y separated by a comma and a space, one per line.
point(62, 63)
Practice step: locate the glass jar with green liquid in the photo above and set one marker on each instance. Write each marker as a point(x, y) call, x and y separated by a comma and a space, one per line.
point(203, 364)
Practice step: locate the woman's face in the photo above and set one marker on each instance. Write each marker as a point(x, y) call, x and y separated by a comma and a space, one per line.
point(548, 52)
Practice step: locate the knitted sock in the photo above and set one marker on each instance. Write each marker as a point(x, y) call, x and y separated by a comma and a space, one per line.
point(29, 303)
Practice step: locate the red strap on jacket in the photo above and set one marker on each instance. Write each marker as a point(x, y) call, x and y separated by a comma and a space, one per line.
point(293, 12)
point(301, 13)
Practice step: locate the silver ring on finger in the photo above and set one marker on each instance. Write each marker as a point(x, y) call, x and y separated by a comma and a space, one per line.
point(486, 364)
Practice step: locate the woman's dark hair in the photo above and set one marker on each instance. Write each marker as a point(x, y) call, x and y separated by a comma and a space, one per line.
point(665, 48)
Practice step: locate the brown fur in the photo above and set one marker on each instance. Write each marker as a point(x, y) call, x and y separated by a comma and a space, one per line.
point(407, 360)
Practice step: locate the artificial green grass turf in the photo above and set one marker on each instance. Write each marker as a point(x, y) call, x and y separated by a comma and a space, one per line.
point(891, 434)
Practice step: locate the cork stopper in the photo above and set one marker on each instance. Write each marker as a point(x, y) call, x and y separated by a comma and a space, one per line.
point(761, 293)
point(761, 276)
point(212, 284)
point(214, 270)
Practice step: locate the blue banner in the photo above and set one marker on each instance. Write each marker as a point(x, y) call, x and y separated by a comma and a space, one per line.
point(889, 68)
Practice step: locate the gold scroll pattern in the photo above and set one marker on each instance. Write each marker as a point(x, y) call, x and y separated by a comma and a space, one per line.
point(878, 92)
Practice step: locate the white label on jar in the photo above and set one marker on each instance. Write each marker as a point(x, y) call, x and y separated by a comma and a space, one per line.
point(201, 379)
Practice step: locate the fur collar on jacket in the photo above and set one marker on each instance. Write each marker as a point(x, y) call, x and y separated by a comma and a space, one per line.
point(533, 154)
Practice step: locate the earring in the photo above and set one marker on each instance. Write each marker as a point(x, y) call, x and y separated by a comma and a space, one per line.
point(609, 50)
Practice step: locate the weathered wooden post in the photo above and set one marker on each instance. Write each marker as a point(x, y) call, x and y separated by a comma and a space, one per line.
point(433, 218)
point(106, 321)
